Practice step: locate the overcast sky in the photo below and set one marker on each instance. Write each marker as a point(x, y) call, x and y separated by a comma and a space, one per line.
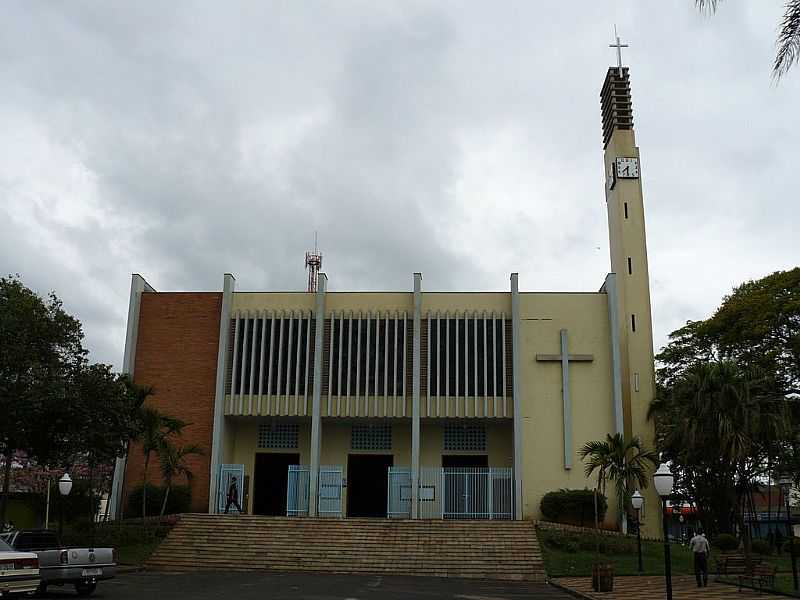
point(183, 140)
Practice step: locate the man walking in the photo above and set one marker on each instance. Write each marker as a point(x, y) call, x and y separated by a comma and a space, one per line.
point(233, 496)
point(700, 549)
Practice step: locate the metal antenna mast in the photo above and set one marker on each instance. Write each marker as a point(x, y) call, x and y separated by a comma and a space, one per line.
point(313, 265)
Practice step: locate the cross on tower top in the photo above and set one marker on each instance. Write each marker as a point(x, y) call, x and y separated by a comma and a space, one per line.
point(619, 46)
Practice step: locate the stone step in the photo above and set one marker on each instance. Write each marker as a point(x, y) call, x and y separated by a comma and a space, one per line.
point(477, 549)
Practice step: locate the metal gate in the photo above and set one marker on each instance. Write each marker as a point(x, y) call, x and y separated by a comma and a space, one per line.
point(330, 491)
point(297, 491)
point(226, 475)
point(477, 493)
point(453, 493)
point(399, 503)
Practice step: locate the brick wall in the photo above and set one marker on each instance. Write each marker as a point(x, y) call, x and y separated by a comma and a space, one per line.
point(176, 354)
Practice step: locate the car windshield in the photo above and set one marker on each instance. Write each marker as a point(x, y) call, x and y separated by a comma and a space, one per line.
point(4, 547)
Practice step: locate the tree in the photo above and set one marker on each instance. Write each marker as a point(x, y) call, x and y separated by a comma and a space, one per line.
point(107, 415)
point(626, 463)
point(172, 460)
point(40, 351)
point(155, 427)
point(722, 426)
point(757, 326)
point(788, 35)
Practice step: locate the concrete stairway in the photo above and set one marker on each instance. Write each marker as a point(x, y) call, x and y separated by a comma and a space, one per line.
point(477, 549)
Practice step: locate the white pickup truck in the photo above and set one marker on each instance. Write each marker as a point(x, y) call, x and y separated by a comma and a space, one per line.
point(81, 567)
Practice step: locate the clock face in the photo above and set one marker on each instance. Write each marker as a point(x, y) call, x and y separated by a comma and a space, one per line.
point(627, 168)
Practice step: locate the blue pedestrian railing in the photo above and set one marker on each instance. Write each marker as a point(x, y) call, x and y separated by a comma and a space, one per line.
point(452, 493)
point(297, 491)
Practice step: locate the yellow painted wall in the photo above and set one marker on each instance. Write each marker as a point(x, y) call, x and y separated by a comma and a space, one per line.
point(627, 238)
point(542, 316)
point(499, 442)
point(287, 301)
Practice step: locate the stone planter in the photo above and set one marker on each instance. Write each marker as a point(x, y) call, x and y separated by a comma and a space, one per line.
point(603, 577)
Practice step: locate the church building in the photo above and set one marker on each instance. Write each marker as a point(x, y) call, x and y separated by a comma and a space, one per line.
point(413, 404)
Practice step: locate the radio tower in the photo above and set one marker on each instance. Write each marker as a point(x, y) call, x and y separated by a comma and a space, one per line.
point(313, 265)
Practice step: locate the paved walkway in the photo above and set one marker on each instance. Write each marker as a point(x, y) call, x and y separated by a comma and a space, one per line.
point(653, 588)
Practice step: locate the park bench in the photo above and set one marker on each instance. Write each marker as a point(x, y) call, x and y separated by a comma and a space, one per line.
point(761, 575)
point(735, 564)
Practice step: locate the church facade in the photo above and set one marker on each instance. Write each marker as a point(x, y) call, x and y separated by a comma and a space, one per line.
point(411, 404)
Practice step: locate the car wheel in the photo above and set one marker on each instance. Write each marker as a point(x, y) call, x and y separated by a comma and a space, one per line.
point(85, 589)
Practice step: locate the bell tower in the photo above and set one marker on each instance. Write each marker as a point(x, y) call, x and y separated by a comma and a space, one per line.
point(628, 245)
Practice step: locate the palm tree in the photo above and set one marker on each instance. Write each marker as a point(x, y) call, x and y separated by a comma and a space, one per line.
point(172, 460)
point(155, 428)
point(626, 463)
point(788, 41)
point(722, 426)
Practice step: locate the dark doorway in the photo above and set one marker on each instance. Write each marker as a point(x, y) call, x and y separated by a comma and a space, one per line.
point(367, 481)
point(270, 482)
point(465, 461)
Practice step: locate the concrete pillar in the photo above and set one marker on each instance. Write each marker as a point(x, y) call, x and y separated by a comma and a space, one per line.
point(218, 431)
point(610, 288)
point(415, 391)
point(316, 418)
point(138, 285)
point(516, 389)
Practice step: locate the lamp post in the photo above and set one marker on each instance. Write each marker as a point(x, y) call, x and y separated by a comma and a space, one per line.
point(64, 488)
point(786, 487)
point(664, 480)
point(637, 501)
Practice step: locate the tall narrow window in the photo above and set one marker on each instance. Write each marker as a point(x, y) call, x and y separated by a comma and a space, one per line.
point(630, 266)
point(626, 210)
point(633, 322)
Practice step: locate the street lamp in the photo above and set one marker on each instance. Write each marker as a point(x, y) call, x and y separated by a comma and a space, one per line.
point(664, 480)
point(786, 487)
point(64, 488)
point(637, 501)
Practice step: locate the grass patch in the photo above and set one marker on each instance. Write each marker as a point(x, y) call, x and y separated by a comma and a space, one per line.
point(571, 554)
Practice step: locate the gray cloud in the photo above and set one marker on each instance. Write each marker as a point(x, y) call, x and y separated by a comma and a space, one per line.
point(184, 140)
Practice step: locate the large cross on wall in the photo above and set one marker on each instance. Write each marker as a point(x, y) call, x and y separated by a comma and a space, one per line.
point(565, 358)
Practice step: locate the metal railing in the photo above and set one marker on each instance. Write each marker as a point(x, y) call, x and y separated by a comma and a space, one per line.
point(399, 493)
point(297, 491)
point(330, 491)
point(329, 497)
point(453, 493)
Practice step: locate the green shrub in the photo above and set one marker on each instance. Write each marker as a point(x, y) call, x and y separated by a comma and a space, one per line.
point(762, 547)
point(567, 541)
point(788, 548)
point(179, 501)
point(725, 542)
point(115, 534)
point(574, 507)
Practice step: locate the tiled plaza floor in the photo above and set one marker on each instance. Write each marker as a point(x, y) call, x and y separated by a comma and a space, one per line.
point(652, 588)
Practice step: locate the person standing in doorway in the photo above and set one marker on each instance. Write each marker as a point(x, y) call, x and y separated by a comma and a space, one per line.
point(700, 549)
point(233, 496)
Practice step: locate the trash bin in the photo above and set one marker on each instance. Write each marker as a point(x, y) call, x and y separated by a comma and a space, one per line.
point(603, 577)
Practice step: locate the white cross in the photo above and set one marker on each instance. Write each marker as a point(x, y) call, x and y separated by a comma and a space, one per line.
point(619, 48)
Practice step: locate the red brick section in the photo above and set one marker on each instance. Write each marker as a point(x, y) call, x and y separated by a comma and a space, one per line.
point(176, 354)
